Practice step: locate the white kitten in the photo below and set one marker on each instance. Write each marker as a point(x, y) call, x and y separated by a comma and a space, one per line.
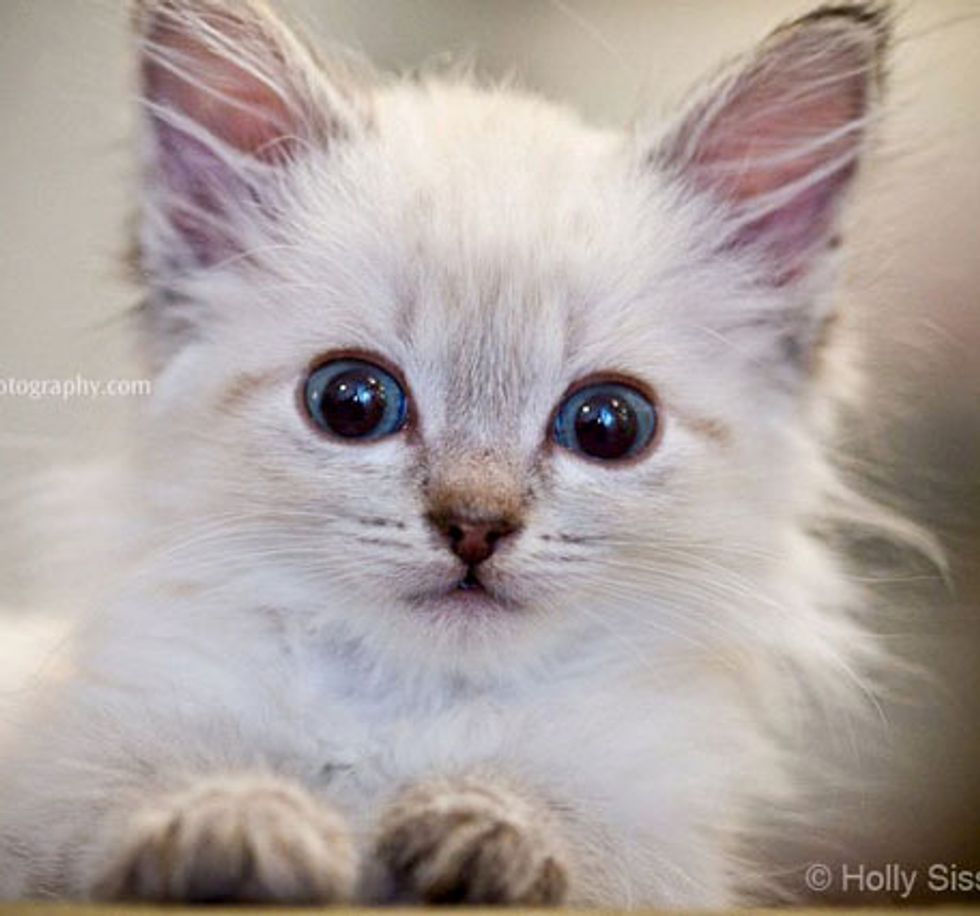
point(479, 494)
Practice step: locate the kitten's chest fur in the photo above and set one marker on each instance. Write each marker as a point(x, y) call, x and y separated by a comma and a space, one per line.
point(597, 718)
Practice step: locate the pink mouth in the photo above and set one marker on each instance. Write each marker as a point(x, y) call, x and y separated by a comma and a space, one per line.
point(470, 583)
point(470, 594)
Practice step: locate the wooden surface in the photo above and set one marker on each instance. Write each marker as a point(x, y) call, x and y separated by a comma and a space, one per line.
point(38, 909)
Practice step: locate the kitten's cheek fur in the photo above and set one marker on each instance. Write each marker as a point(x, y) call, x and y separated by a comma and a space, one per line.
point(246, 839)
point(466, 841)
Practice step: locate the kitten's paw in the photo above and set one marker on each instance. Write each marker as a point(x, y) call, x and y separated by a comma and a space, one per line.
point(466, 842)
point(240, 839)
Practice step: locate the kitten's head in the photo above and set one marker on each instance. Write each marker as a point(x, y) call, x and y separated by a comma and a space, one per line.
point(443, 367)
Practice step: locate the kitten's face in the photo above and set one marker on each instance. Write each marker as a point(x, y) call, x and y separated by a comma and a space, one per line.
point(495, 259)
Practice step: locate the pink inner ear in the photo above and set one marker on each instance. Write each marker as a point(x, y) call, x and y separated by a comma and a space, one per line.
point(215, 82)
point(784, 123)
point(183, 72)
point(783, 143)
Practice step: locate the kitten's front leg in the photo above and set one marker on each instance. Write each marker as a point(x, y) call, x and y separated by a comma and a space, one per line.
point(467, 840)
point(244, 839)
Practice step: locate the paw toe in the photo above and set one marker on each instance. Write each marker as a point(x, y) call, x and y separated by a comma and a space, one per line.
point(247, 841)
point(460, 845)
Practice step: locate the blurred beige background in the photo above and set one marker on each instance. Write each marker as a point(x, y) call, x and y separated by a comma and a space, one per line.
point(65, 189)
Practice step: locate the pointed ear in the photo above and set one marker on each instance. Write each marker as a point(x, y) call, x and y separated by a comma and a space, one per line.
point(777, 142)
point(230, 97)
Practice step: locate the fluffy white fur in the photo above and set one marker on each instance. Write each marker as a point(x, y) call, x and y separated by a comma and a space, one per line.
point(674, 619)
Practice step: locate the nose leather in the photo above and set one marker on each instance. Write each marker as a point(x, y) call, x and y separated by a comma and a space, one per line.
point(474, 542)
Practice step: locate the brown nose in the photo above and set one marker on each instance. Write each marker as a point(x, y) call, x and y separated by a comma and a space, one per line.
point(473, 542)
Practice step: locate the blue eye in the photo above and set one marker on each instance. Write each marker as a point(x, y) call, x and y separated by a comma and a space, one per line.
point(355, 399)
point(609, 421)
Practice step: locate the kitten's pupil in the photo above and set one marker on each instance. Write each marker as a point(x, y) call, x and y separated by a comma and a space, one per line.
point(606, 426)
point(354, 403)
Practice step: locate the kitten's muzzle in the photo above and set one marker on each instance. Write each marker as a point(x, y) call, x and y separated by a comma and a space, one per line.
point(475, 507)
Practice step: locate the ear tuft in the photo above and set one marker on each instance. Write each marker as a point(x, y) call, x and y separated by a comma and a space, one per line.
point(778, 141)
point(234, 70)
point(230, 95)
point(873, 14)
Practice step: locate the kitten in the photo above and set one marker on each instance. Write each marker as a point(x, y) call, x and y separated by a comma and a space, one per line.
point(479, 493)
